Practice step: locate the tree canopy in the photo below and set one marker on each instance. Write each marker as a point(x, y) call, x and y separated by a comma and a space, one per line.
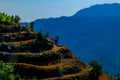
point(4, 18)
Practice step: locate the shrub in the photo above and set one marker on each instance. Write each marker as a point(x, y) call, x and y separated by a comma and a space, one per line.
point(97, 69)
point(39, 35)
point(32, 26)
point(13, 48)
point(59, 71)
point(116, 76)
point(6, 71)
point(17, 76)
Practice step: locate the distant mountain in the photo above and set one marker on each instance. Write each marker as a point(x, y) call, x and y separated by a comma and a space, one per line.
point(98, 11)
point(91, 33)
point(25, 23)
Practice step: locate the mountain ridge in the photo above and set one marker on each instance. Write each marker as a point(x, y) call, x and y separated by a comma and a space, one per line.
point(90, 34)
point(101, 9)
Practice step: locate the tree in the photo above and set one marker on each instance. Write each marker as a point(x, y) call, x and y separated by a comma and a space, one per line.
point(27, 34)
point(39, 35)
point(12, 19)
point(8, 19)
point(3, 18)
point(32, 25)
point(17, 19)
point(13, 48)
point(56, 40)
point(97, 69)
point(59, 71)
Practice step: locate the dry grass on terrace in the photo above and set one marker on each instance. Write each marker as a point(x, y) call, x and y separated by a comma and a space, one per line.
point(23, 42)
point(37, 67)
point(104, 77)
point(55, 49)
point(15, 33)
point(69, 76)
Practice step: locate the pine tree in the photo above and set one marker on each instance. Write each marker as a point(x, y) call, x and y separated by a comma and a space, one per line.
point(17, 19)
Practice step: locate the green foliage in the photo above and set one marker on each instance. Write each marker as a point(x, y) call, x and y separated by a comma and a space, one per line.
point(97, 69)
point(13, 48)
point(17, 76)
point(17, 19)
point(7, 19)
point(6, 71)
point(39, 35)
point(59, 71)
point(32, 25)
point(56, 40)
point(59, 56)
point(116, 76)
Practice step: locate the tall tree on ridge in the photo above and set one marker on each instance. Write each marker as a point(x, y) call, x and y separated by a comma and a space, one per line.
point(17, 19)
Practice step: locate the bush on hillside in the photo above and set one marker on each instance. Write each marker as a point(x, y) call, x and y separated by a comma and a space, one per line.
point(6, 71)
point(96, 71)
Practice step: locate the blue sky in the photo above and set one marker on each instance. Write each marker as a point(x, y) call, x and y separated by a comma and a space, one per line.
point(30, 10)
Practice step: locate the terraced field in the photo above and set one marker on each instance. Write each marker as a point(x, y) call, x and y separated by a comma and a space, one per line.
point(35, 56)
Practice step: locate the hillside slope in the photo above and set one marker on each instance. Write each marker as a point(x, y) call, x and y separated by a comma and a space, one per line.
point(36, 56)
point(94, 31)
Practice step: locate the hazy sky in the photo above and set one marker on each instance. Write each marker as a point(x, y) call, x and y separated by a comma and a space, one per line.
point(30, 10)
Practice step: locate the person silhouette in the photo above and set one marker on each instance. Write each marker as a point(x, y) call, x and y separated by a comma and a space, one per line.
point(56, 40)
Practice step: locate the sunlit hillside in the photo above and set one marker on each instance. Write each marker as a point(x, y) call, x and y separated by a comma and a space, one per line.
point(25, 54)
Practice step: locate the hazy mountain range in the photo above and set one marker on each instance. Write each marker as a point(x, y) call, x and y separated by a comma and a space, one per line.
point(91, 33)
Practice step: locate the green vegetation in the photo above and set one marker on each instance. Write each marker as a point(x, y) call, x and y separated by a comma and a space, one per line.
point(32, 25)
point(115, 76)
point(96, 69)
point(56, 40)
point(27, 54)
point(6, 71)
point(13, 48)
point(59, 71)
point(7, 19)
point(17, 19)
